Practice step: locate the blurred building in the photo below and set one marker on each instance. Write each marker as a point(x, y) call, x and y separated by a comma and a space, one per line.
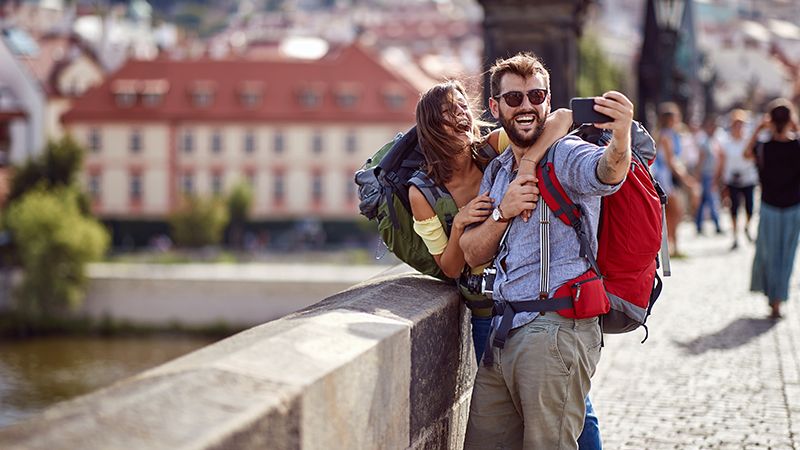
point(296, 130)
point(428, 40)
point(40, 77)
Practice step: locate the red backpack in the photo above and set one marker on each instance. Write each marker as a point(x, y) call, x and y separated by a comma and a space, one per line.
point(622, 284)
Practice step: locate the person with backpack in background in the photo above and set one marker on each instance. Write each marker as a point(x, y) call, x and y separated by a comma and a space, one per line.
point(739, 174)
point(778, 162)
point(530, 390)
point(449, 139)
point(709, 168)
point(670, 172)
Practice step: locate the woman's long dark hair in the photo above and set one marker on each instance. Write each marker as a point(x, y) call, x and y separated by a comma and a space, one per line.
point(433, 125)
point(780, 113)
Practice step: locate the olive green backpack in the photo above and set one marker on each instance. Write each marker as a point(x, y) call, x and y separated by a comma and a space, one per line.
point(383, 184)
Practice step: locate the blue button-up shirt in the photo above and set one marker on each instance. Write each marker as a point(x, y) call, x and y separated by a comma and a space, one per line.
point(518, 260)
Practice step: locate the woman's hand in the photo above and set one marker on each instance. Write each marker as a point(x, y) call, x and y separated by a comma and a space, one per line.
point(560, 121)
point(477, 210)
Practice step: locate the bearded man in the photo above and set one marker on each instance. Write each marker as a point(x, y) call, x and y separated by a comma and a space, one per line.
point(530, 391)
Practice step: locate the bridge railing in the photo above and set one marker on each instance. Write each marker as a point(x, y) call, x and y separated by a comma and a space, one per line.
point(386, 364)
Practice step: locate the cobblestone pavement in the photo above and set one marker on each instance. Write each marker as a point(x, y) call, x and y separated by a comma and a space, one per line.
point(715, 373)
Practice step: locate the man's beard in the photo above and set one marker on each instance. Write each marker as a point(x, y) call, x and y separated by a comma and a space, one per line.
point(515, 136)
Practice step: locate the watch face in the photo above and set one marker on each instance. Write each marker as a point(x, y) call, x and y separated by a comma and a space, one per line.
point(496, 215)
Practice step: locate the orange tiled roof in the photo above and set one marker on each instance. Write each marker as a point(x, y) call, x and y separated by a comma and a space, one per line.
point(327, 85)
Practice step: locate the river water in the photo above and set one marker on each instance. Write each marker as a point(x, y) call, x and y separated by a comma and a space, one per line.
point(37, 373)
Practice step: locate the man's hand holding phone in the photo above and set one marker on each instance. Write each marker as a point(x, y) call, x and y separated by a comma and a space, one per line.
point(613, 111)
point(619, 109)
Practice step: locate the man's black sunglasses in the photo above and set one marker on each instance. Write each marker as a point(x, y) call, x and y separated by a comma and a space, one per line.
point(514, 98)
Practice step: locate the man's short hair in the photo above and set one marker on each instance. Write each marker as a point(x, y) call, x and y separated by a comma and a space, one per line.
point(524, 64)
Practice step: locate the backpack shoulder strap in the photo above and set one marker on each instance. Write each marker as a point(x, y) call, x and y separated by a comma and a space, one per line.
point(429, 189)
point(557, 200)
point(433, 193)
point(553, 193)
point(487, 151)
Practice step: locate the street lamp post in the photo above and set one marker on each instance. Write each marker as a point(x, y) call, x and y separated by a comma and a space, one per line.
point(668, 64)
point(548, 28)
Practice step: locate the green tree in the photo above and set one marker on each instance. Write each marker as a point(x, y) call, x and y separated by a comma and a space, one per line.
point(240, 201)
point(58, 166)
point(199, 222)
point(54, 242)
point(596, 74)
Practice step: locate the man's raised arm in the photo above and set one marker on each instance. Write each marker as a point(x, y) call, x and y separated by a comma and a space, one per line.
point(616, 159)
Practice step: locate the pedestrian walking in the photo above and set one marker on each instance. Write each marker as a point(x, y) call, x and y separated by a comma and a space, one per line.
point(739, 174)
point(670, 172)
point(709, 168)
point(778, 162)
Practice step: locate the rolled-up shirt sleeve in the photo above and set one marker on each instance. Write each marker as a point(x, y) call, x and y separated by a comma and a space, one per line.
point(576, 167)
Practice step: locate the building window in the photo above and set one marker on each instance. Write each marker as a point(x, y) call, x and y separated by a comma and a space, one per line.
point(310, 98)
point(187, 142)
point(202, 93)
point(5, 142)
point(395, 100)
point(316, 142)
point(203, 99)
point(278, 142)
point(125, 92)
point(216, 183)
point(153, 92)
point(216, 142)
point(278, 192)
point(346, 100)
point(152, 100)
point(95, 183)
point(316, 187)
point(135, 188)
point(125, 99)
point(250, 99)
point(187, 183)
point(250, 177)
point(251, 93)
point(350, 188)
point(135, 143)
point(74, 89)
point(351, 142)
point(249, 142)
point(95, 140)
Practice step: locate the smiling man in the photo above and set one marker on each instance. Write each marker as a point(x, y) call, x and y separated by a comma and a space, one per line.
point(530, 393)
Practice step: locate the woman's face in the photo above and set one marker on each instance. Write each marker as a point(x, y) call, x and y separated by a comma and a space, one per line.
point(458, 118)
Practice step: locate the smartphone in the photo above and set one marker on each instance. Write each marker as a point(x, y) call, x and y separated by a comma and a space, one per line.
point(583, 111)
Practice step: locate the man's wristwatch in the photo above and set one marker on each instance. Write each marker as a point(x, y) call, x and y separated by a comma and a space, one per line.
point(497, 215)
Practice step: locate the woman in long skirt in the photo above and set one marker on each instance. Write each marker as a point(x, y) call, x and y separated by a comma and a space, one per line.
point(778, 162)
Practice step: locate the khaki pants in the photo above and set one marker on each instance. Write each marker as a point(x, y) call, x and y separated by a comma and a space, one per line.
point(533, 395)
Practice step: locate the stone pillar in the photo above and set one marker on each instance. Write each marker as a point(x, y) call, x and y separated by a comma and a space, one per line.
point(548, 28)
